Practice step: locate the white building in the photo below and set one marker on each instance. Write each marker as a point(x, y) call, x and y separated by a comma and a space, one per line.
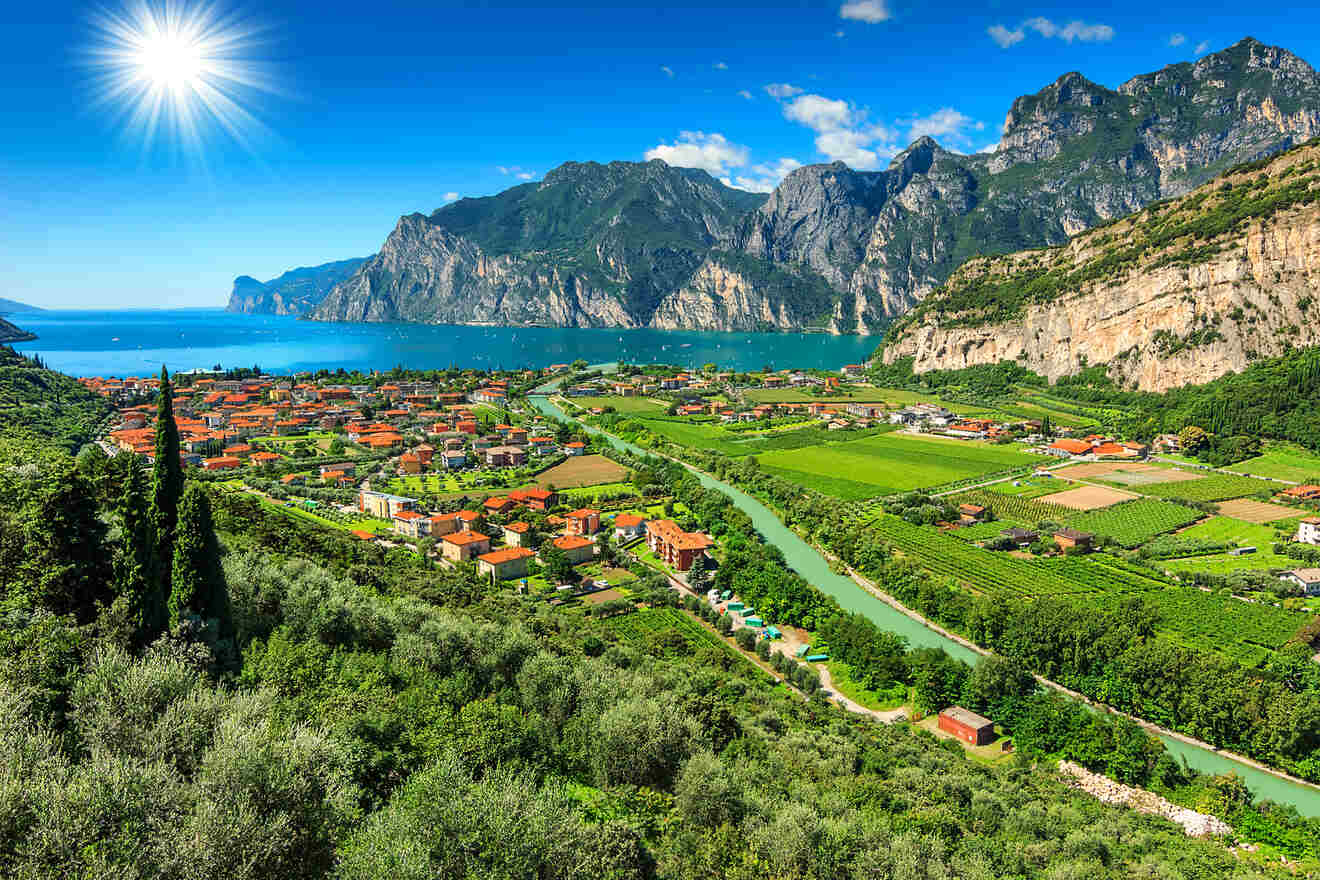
point(1308, 530)
point(1306, 578)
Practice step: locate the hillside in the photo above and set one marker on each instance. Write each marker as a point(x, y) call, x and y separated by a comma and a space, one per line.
point(642, 244)
point(36, 400)
point(11, 306)
point(624, 244)
point(10, 333)
point(1180, 293)
point(296, 292)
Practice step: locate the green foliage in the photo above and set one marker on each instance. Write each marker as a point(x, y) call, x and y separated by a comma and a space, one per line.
point(48, 404)
point(166, 482)
point(198, 588)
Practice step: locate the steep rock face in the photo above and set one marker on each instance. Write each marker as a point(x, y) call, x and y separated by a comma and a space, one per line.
point(591, 245)
point(720, 297)
point(1186, 309)
point(1072, 155)
point(296, 292)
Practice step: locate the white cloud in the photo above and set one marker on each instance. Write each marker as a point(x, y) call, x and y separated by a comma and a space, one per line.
point(745, 94)
point(451, 197)
point(720, 65)
point(668, 71)
point(515, 171)
point(764, 177)
point(525, 175)
point(696, 149)
point(819, 113)
point(1073, 31)
point(782, 90)
point(1202, 47)
point(1004, 37)
point(1177, 39)
point(869, 11)
point(942, 123)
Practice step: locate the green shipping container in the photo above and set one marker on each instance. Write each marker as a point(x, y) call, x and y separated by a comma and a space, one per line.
point(817, 658)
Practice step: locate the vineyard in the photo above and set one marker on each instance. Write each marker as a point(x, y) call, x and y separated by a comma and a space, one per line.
point(1243, 631)
point(1218, 487)
point(1132, 523)
point(1015, 509)
point(637, 628)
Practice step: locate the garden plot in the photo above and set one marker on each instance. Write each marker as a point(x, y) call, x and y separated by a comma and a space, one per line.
point(1090, 497)
point(1253, 511)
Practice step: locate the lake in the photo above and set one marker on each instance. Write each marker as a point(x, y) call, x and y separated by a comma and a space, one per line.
point(137, 342)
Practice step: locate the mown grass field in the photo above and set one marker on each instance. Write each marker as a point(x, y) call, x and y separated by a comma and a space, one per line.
point(1244, 534)
point(1283, 461)
point(626, 405)
point(891, 463)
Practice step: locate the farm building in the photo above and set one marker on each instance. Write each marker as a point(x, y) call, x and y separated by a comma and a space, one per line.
point(1306, 578)
point(1067, 538)
point(967, 726)
point(1308, 530)
point(1021, 537)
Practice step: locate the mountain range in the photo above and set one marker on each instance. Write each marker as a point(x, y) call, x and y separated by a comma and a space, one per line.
point(834, 249)
point(1179, 293)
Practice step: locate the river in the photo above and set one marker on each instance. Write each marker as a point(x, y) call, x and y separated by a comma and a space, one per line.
point(806, 561)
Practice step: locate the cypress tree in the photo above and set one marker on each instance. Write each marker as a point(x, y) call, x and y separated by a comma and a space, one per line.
point(166, 483)
point(133, 573)
point(198, 581)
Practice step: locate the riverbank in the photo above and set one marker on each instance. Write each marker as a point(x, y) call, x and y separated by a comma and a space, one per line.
point(1265, 782)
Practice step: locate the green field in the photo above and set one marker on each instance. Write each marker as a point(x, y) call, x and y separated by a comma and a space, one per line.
point(1244, 534)
point(1132, 523)
point(1283, 461)
point(891, 463)
point(707, 435)
point(1030, 487)
point(588, 493)
point(1215, 487)
point(1195, 619)
point(626, 405)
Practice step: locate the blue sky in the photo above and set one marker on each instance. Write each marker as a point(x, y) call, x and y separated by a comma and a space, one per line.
point(371, 110)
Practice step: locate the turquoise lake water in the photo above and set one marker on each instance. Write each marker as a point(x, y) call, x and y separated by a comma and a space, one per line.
point(135, 342)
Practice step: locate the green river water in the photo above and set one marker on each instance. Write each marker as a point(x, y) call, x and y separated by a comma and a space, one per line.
point(806, 561)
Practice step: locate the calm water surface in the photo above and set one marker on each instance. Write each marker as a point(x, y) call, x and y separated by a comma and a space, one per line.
point(135, 342)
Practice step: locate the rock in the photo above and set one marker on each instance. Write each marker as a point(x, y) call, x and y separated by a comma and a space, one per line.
point(1108, 791)
point(296, 292)
point(1185, 313)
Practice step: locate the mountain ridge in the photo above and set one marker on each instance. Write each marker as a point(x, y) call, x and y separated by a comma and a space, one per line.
point(294, 292)
point(831, 248)
point(1179, 293)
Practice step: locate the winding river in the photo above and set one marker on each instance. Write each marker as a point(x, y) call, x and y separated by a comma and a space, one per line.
point(806, 561)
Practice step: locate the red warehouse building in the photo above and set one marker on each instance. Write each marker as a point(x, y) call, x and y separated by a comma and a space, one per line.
point(969, 727)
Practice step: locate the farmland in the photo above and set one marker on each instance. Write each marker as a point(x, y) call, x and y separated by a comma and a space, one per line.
point(1132, 523)
point(641, 627)
point(1015, 509)
point(645, 406)
point(1283, 461)
point(1205, 621)
point(890, 463)
point(1244, 534)
point(1216, 487)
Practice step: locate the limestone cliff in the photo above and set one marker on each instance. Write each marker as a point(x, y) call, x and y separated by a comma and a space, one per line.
point(296, 292)
point(1180, 293)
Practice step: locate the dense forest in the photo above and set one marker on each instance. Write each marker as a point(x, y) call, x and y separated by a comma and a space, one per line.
point(195, 685)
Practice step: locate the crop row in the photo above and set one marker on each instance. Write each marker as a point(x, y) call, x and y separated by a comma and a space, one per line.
point(1218, 487)
point(1132, 523)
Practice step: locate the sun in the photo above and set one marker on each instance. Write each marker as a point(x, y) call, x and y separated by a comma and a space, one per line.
point(179, 70)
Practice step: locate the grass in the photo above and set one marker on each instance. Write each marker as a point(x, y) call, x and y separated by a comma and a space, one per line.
point(1244, 534)
point(841, 675)
point(1283, 461)
point(588, 493)
point(1029, 488)
point(891, 463)
point(625, 405)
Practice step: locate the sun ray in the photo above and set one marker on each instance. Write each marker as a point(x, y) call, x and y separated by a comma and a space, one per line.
point(179, 72)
